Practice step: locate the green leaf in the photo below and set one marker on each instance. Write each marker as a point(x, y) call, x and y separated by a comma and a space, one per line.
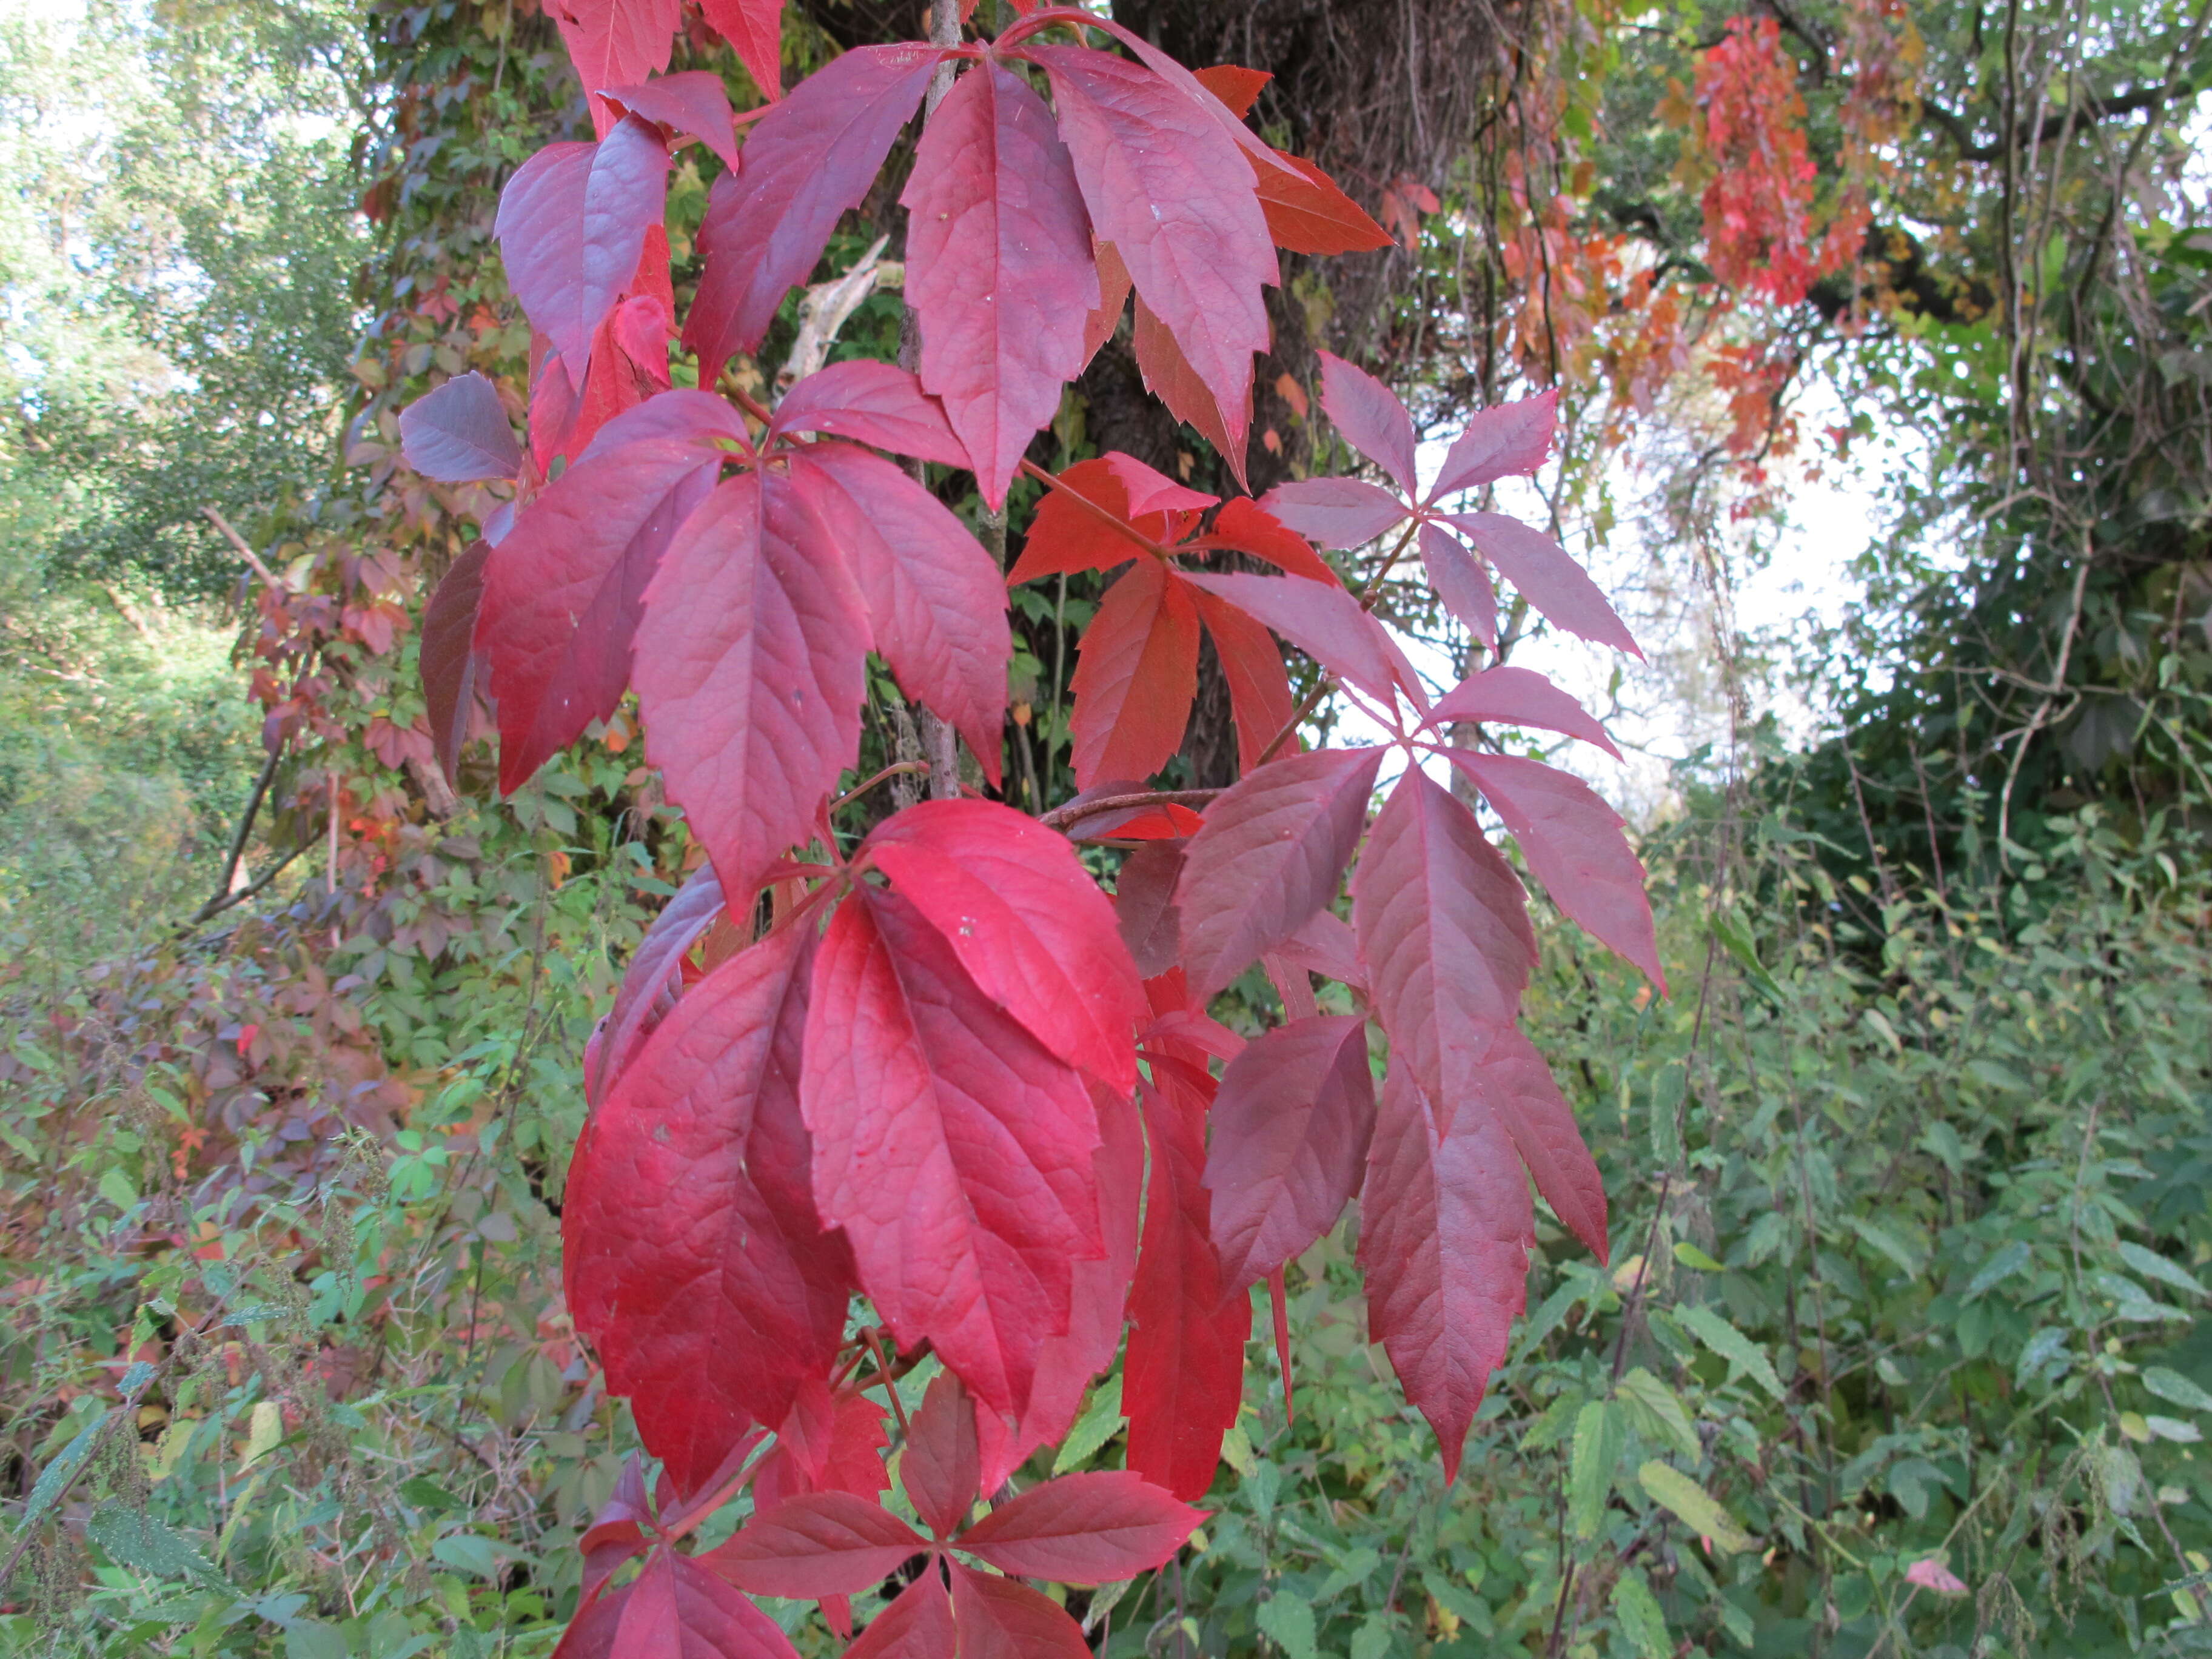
point(1655, 1412)
point(427, 1494)
point(1601, 1433)
point(1100, 1422)
point(1694, 1505)
point(2151, 1265)
point(115, 1187)
point(1881, 1239)
point(1287, 1620)
point(2176, 1389)
point(1730, 932)
point(1690, 1256)
point(1641, 1621)
point(1743, 1355)
point(310, 1638)
point(1666, 1125)
point(56, 1476)
point(132, 1538)
point(1998, 1269)
point(1372, 1639)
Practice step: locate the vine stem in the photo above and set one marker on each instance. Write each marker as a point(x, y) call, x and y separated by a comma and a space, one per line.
point(1075, 811)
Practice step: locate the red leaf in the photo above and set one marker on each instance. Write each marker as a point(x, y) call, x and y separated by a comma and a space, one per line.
point(1460, 581)
point(1168, 376)
point(1512, 438)
point(1307, 213)
point(1290, 1125)
point(694, 1258)
point(750, 673)
point(458, 433)
point(1113, 300)
point(1066, 535)
point(629, 365)
point(1271, 854)
point(941, 1469)
point(999, 266)
point(564, 592)
point(1325, 945)
point(1445, 1226)
point(808, 159)
point(1083, 1529)
point(1259, 697)
point(448, 662)
point(695, 103)
point(1246, 525)
point(822, 1543)
point(1182, 1376)
point(878, 403)
point(1238, 89)
point(936, 604)
point(999, 1619)
point(614, 43)
point(1145, 908)
point(918, 1624)
point(1164, 185)
point(1547, 576)
point(828, 1443)
point(1443, 928)
point(617, 1532)
point(1518, 696)
point(1324, 621)
point(1371, 418)
point(674, 1610)
point(754, 29)
point(1338, 512)
point(1136, 671)
point(952, 1148)
point(1027, 923)
point(1098, 1292)
point(1573, 843)
point(1517, 1088)
point(649, 981)
point(571, 226)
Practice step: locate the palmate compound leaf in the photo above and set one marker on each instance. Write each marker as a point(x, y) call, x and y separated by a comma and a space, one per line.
point(1083, 1529)
point(1547, 577)
point(1291, 1128)
point(458, 433)
point(1511, 439)
point(754, 29)
point(450, 665)
point(1461, 581)
point(942, 1467)
point(1271, 854)
point(572, 225)
point(695, 1259)
point(674, 1609)
point(1183, 1377)
point(955, 1149)
point(1445, 1227)
point(936, 605)
point(750, 671)
point(999, 266)
point(873, 402)
point(1136, 672)
point(829, 1443)
point(695, 103)
point(563, 592)
point(1027, 923)
point(1335, 512)
point(1518, 696)
point(1369, 416)
point(615, 42)
point(1166, 184)
point(1444, 929)
point(1574, 843)
point(1327, 624)
point(999, 1619)
point(824, 1543)
point(811, 158)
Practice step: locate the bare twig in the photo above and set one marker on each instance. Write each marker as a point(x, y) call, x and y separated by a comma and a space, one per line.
point(244, 551)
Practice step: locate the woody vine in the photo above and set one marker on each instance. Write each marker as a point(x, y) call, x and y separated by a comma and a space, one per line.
point(939, 1076)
